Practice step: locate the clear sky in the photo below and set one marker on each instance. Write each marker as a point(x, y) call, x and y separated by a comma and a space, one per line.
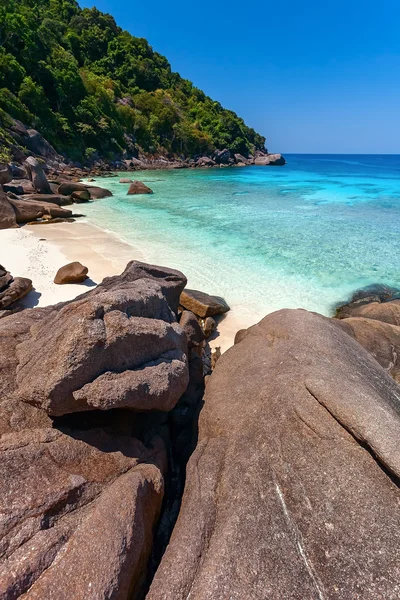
point(314, 76)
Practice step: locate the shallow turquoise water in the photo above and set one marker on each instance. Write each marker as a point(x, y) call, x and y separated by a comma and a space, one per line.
point(304, 235)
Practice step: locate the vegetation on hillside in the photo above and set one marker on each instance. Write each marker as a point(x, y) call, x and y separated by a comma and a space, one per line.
point(93, 89)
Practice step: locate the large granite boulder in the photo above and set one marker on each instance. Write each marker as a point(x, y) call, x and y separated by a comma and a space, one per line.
point(376, 292)
point(96, 193)
point(80, 495)
point(293, 490)
point(5, 174)
point(388, 311)
point(205, 161)
point(73, 272)
point(19, 187)
point(58, 199)
point(138, 187)
point(67, 188)
point(380, 338)
point(7, 214)
point(37, 175)
point(25, 210)
point(203, 305)
point(222, 157)
point(72, 359)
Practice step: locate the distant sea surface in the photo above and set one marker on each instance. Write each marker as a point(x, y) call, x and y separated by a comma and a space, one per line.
point(304, 235)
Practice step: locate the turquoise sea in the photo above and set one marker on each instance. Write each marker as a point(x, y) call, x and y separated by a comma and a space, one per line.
point(304, 235)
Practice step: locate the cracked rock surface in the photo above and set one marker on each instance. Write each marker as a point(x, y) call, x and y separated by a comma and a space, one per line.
point(292, 491)
point(80, 494)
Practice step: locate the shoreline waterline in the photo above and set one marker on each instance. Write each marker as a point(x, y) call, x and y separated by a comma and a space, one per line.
point(37, 252)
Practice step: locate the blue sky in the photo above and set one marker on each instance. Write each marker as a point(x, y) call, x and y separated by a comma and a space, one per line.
point(315, 76)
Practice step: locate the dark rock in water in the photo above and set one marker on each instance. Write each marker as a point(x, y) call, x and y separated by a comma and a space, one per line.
point(5, 174)
point(7, 214)
point(294, 483)
point(203, 305)
point(190, 325)
point(17, 289)
point(20, 187)
point(80, 495)
point(72, 360)
point(36, 175)
point(81, 196)
point(372, 293)
point(96, 193)
point(74, 272)
point(138, 187)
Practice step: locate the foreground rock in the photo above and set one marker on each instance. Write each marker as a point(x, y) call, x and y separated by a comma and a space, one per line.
point(80, 496)
point(74, 272)
point(293, 486)
point(70, 362)
point(138, 187)
point(203, 305)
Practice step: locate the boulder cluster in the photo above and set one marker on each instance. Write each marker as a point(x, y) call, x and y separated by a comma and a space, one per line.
point(126, 473)
point(220, 158)
point(27, 195)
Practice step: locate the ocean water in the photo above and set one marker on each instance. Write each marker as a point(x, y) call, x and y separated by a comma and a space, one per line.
point(304, 235)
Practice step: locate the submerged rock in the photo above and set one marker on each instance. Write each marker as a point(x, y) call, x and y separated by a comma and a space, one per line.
point(203, 305)
point(72, 273)
point(293, 485)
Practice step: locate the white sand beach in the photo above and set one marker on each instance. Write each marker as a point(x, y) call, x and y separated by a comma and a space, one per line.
point(39, 251)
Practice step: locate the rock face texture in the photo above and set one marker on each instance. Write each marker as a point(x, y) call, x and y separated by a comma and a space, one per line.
point(74, 272)
point(292, 492)
point(203, 305)
point(80, 495)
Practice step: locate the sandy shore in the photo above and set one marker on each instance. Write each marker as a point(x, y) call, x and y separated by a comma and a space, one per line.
point(39, 251)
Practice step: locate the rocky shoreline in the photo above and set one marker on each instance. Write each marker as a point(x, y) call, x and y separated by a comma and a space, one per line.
point(122, 479)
